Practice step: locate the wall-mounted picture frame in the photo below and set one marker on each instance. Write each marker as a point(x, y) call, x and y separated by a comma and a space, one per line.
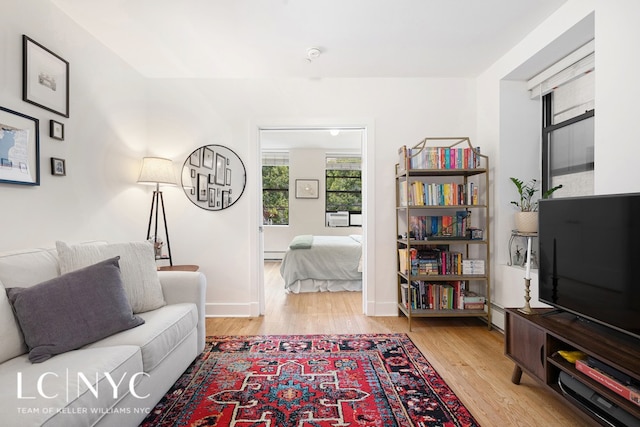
point(45, 78)
point(194, 159)
point(58, 167)
point(19, 148)
point(207, 157)
point(221, 166)
point(212, 197)
point(202, 186)
point(56, 130)
point(307, 188)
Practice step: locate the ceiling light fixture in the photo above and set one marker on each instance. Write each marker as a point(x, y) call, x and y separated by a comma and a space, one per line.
point(313, 53)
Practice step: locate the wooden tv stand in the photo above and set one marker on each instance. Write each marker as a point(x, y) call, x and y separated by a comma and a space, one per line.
point(532, 342)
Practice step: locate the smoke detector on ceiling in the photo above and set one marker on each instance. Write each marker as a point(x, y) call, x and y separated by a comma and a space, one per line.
point(313, 53)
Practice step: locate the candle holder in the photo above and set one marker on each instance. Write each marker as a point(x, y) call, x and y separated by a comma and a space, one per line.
point(527, 297)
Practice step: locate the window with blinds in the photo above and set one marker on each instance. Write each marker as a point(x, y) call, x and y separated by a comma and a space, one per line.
point(567, 90)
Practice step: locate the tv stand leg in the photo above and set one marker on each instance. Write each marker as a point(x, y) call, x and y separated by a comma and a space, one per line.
point(516, 376)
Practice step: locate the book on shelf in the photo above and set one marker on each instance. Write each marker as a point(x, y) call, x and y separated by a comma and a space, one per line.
point(431, 227)
point(629, 392)
point(474, 306)
point(473, 301)
point(443, 158)
point(419, 193)
point(472, 297)
point(402, 158)
point(406, 257)
point(424, 295)
point(473, 266)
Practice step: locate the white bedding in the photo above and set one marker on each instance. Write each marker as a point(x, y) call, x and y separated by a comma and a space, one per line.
point(332, 263)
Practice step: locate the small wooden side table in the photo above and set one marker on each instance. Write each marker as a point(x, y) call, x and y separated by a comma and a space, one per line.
point(179, 268)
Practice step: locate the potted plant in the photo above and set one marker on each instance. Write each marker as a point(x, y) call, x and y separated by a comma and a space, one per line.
point(527, 217)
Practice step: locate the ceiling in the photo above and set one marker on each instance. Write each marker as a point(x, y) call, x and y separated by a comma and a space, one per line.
point(270, 38)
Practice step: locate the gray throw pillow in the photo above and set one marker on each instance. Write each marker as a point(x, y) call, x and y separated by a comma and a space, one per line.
point(73, 310)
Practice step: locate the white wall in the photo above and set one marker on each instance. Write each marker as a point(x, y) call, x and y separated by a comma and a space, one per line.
point(105, 138)
point(617, 94)
point(403, 111)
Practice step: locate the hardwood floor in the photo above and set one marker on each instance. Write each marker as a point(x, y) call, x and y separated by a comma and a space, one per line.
point(464, 352)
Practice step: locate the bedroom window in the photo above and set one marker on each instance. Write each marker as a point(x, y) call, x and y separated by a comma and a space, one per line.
point(275, 188)
point(343, 189)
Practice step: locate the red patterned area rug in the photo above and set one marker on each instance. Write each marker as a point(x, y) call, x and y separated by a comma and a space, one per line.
point(310, 381)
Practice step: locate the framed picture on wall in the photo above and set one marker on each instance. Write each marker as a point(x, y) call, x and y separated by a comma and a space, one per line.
point(307, 188)
point(58, 167)
point(56, 130)
point(19, 148)
point(45, 78)
point(221, 166)
point(207, 157)
point(202, 187)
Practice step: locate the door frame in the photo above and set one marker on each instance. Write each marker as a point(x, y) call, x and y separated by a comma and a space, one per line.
point(368, 202)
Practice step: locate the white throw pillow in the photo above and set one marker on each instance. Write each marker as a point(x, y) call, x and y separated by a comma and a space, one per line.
point(137, 266)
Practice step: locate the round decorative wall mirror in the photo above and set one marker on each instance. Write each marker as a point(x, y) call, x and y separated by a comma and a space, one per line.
point(213, 177)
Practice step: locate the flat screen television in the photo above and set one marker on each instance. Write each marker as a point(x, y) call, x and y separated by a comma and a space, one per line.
point(589, 258)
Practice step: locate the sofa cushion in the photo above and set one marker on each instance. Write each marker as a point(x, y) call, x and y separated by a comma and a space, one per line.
point(69, 400)
point(137, 264)
point(72, 310)
point(163, 330)
point(10, 335)
point(28, 267)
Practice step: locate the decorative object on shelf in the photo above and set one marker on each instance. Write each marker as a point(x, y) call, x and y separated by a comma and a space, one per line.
point(45, 78)
point(527, 219)
point(526, 309)
point(156, 171)
point(56, 130)
point(213, 177)
point(307, 188)
point(58, 167)
point(19, 148)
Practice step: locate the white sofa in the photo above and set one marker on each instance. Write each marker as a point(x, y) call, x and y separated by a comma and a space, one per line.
point(115, 381)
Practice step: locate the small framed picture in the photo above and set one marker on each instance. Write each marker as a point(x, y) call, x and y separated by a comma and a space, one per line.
point(58, 167)
point(207, 157)
point(221, 163)
point(202, 186)
point(307, 188)
point(212, 197)
point(56, 130)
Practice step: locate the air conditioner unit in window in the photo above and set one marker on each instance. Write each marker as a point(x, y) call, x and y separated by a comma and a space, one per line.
point(338, 219)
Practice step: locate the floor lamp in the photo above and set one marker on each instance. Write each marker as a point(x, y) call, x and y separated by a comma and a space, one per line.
point(156, 171)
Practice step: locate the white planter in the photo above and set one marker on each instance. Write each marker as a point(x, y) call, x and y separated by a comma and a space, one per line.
point(527, 222)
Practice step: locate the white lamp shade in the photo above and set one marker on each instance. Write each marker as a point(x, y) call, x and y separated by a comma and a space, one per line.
point(156, 170)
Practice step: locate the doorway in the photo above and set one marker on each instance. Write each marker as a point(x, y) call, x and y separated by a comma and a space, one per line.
point(314, 141)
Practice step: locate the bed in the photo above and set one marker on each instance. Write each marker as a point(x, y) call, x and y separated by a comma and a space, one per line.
point(323, 263)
